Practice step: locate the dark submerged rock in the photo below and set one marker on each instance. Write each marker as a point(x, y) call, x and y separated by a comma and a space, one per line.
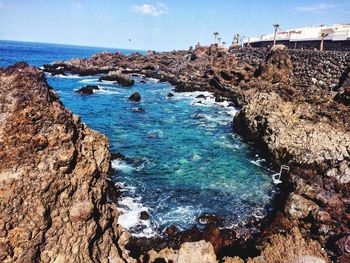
point(201, 96)
point(88, 90)
point(208, 219)
point(136, 97)
point(144, 215)
point(117, 156)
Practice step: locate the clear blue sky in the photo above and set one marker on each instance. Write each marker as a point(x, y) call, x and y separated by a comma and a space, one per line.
point(159, 25)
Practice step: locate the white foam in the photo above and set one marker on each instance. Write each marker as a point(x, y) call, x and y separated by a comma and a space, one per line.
point(185, 214)
point(94, 80)
point(153, 80)
point(155, 134)
point(129, 217)
point(70, 76)
point(228, 144)
point(208, 101)
point(196, 157)
point(108, 81)
point(106, 90)
point(258, 162)
point(120, 165)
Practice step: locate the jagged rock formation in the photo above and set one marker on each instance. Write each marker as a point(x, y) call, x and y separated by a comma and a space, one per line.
point(195, 252)
point(88, 89)
point(291, 132)
point(119, 78)
point(53, 178)
point(136, 97)
point(291, 247)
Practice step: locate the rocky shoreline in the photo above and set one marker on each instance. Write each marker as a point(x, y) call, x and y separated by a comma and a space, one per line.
point(293, 118)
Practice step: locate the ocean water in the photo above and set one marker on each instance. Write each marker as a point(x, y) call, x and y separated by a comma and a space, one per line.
point(183, 157)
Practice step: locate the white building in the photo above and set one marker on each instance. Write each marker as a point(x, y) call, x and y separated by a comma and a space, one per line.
point(337, 32)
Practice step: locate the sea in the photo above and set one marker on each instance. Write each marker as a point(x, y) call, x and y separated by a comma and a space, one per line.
point(184, 159)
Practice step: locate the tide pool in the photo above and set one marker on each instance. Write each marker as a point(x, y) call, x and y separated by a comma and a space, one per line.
point(183, 157)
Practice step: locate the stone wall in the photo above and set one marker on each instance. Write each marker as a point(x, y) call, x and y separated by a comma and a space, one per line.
point(326, 69)
point(343, 45)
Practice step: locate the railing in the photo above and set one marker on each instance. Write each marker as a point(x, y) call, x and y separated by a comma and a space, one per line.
point(276, 178)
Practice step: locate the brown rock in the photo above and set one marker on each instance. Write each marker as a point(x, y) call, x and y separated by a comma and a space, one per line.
point(53, 178)
point(201, 252)
point(298, 207)
point(291, 248)
point(119, 78)
point(81, 211)
point(189, 252)
point(344, 244)
point(135, 97)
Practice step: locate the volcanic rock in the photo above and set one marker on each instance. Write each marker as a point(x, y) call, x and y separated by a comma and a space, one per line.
point(344, 244)
point(189, 252)
point(207, 219)
point(292, 248)
point(344, 96)
point(117, 156)
point(136, 97)
point(200, 96)
point(52, 197)
point(88, 90)
point(119, 78)
point(144, 215)
point(288, 132)
point(298, 207)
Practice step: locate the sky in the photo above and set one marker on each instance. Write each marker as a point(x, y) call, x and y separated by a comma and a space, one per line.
point(158, 25)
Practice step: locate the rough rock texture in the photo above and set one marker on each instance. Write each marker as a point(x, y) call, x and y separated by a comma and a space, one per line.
point(119, 78)
point(135, 97)
point(309, 131)
point(291, 247)
point(88, 89)
point(189, 252)
point(290, 132)
point(53, 178)
point(294, 107)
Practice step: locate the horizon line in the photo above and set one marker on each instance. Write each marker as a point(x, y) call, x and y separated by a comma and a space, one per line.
point(65, 44)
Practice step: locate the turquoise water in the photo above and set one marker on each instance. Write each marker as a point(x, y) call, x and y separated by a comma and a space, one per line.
point(183, 158)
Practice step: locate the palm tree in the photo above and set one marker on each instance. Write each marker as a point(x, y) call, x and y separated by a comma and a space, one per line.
point(216, 34)
point(276, 26)
point(323, 36)
point(223, 43)
point(219, 39)
point(236, 38)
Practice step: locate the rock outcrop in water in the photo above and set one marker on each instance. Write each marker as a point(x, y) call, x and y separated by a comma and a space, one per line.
point(136, 97)
point(87, 90)
point(119, 78)
point(53, 178)
point(295, 108)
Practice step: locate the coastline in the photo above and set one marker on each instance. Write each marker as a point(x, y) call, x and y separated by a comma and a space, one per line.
point(267, 73)
point(274, 103)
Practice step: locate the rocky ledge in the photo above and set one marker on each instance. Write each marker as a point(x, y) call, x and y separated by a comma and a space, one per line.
point(53, 178)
